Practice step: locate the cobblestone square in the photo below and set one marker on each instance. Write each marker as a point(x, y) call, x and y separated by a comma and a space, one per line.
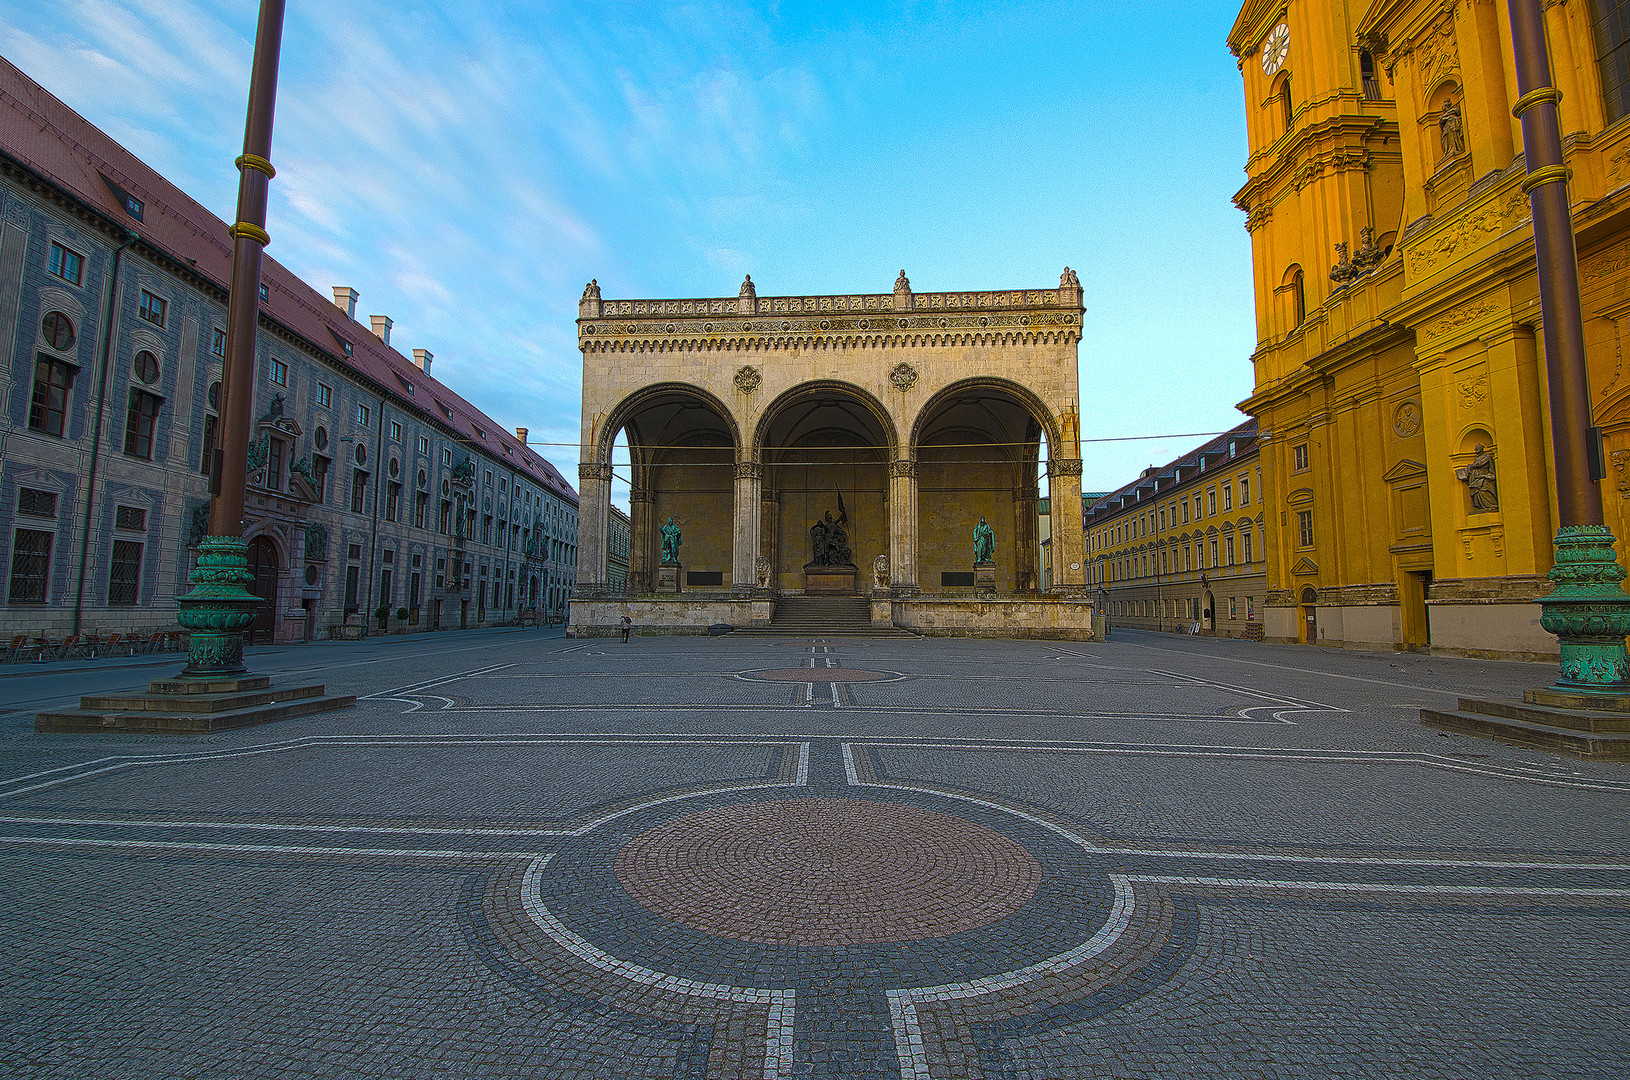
point(523, 855)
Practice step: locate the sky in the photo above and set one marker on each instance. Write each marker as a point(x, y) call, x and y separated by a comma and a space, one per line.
point(467, 167)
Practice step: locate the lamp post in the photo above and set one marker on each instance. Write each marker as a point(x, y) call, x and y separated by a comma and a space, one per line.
point(1588, 610)
point(219, 609)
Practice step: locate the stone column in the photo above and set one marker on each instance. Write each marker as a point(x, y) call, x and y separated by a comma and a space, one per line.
point(1069, 539)
point(903, 528)
point(749, 516)
point(1025, 578)
point(593, 524)
point(769, 536)
point(641, 540)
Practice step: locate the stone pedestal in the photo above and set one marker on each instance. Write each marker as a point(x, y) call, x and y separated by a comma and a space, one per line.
point(829, 580)
point(668, 579)
point(984, 578)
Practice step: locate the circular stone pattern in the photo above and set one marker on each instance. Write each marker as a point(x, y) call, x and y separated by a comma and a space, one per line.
point(826, 872)
point(820, 674)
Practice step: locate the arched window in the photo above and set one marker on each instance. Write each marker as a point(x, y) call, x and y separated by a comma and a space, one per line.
point(1293, 287)
point(1366, 76)
point(1286, 109)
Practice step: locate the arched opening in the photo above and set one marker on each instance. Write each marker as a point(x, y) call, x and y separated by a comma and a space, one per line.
point(1293, 289)
point(1366, 76)
point(1208, 611)
point(825, 450)
point(1310, 616)
point(981, 449)
point(1287, 111)
point(263, 565)
point(679, 464)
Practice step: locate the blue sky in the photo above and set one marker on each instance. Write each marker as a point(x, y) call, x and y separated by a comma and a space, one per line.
point(467, 167)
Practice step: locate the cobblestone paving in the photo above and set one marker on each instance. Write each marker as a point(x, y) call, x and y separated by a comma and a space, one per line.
point(526, 856)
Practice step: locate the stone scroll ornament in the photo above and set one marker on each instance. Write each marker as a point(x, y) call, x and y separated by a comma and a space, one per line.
point(984, 543)
point(671, 539)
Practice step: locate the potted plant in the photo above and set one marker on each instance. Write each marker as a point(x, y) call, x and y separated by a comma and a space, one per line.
point(401, 620)
point(383, 614)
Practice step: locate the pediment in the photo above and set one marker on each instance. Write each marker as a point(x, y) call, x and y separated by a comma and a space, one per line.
point(1300, 495)
point(1305, 567)
point(1404, 470)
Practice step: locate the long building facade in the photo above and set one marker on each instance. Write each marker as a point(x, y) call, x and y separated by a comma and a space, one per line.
point(378, 498)
point(1181, 548)
point(1399, 370)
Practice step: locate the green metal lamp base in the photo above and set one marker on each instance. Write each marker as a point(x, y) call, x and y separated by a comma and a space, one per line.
point(1589, 612)
point(219, 609)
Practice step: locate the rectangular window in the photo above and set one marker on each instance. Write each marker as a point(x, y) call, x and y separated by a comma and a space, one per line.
point(48, 410)
point(1163, 519)
point(209, 444)
point(421, 502)
point(1298, 457)
point(445, 525)
point(133, 518)
point(274, 464)
point(1211, 501)
point(424, 444)
point(486, 529)
point(1244, 491)
point(359, 491)
point(1214, 561)
point(1228, 549)
point(393, 501)
point(36, 503)
point(1228, 497)
point(352, 574)
point(1610, 26)
point(385, 587)
point(278, 372)
point(325, 396)
point(396, 431)
point(1185, 511)
point(1304, 525)
point(66, 264)
point(124, 574)
point(30, 563)
point(362, 413)
point(217, 344)
point(441, 573)
point(413, 594)
point(447, 457)
point(152, 308)
point(319, 470)
point(1245, 545)
point(141, 418)
point(1233, 607)
point(1250, 608)
point(264, 292)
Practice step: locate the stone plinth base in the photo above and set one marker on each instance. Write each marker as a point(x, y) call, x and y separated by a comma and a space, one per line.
point(829, 580)
point(665, 615)
point(882, 610)
point(668, 579)
point(984, 578)
point(1032, 617)
point(193, 706)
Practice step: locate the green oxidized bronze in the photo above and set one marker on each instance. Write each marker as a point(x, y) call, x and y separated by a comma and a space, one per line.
point(219, 609)
point(1589, 611)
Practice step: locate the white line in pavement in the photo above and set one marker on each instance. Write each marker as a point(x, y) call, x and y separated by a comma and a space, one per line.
point(262, 849)
point(1375, 887)
point(426, 684)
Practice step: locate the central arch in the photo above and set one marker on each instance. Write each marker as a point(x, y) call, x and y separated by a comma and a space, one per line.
point(814, 443)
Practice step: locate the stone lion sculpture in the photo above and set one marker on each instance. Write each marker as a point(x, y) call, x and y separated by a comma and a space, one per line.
point(880, 571)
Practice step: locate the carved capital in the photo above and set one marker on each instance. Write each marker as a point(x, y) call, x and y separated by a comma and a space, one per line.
point(749, 470)
point(1065, 466)
point(903, 467)
point(641, 495)
point(594, 470)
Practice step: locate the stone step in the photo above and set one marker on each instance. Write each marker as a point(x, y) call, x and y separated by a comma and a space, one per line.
point(85, 721)
point(194, 702)
point(1571, 719)
point(1566, 699)
point(1585, 744)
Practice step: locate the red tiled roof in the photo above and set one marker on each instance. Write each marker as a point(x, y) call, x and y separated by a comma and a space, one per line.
point(69, 151)
point(1167, 473)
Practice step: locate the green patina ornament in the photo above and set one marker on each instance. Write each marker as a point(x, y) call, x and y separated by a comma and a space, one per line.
point(218, 609)
point(1589, 611)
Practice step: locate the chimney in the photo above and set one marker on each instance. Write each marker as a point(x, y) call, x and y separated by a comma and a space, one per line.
point(421, 357)
point(520, 435)
point(345, 298)
point(382, 327)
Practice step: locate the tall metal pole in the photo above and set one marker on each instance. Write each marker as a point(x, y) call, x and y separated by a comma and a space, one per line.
point(219, 609)
point(1588, 610)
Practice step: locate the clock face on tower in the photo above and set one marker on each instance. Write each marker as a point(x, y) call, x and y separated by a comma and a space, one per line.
point(1275, 48)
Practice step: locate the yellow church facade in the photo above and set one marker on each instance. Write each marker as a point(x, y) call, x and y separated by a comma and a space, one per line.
point(1399, 370)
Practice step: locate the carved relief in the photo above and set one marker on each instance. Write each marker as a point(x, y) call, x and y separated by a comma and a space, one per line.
point(1610, 263)
point(1460, 316)
point(1462, 236)
point(748, 379)
point(903, 376)
point(1621, 472)
point(1436, 55)
point(1472, 390)
point(1406, 420)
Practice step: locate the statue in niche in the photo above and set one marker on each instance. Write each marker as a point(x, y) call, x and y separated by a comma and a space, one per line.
point(829, 539)
point(1479, 477)
point(671, 539)
point(984, 543)
point(1451, 134)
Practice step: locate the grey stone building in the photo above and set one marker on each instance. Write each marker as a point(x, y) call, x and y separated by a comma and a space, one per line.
point(373, 486)
point(619, 532)
point(1181, 548)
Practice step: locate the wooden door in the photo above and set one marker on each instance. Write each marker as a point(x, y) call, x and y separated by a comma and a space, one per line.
point(263, 565)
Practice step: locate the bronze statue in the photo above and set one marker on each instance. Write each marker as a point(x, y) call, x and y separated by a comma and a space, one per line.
point(829, 539)
point(671, 539)
point(984, 543)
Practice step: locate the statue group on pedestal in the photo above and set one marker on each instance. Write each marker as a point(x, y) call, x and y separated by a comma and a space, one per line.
point(829, 539)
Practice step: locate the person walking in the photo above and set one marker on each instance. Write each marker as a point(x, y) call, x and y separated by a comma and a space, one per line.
point(627, 625)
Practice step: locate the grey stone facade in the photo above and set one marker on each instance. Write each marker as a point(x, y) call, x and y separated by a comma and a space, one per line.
point(372, 485)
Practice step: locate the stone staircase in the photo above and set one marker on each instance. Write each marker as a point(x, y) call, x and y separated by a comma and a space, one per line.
point(1585, 725)
point(824, 616)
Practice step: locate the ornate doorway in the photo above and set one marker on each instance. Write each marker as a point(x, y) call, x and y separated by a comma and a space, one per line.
point(263, 565)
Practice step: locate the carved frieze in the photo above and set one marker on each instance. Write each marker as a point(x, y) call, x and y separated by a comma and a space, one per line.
point(1466, 313)
point(1611, 263)
point(1457, 238)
